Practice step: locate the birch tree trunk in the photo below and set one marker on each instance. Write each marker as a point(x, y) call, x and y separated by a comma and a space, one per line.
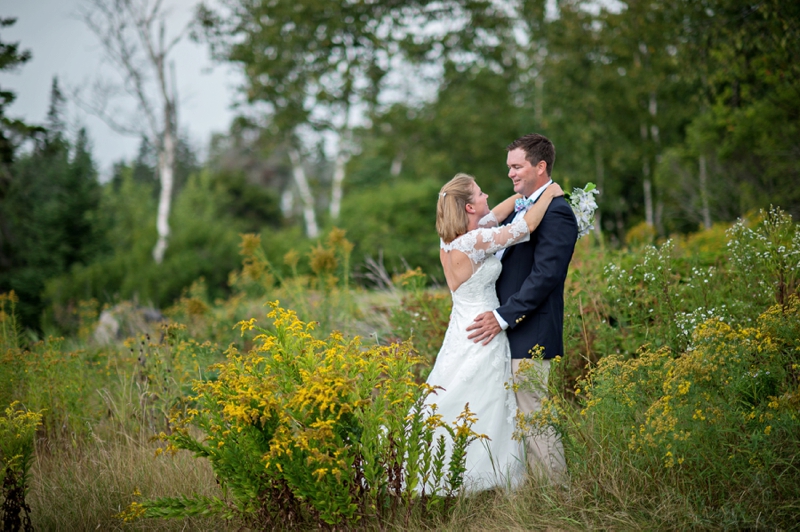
point(166, 166)
point(338, 179)
point(647, 185)
point(166, 159)
point(342, 156)
point(704, 193)
point(397, 164)
point(299, 173)
point(538, 102)
point(133, 36)
point(600, 175)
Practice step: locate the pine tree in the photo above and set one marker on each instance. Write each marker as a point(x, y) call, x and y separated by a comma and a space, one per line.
point(50, 207)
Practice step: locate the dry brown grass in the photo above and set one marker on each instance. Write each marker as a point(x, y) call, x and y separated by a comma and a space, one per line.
point(586, 502)
point(85, 487)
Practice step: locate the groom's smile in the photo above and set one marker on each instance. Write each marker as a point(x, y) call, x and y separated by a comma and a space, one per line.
point(525, 176)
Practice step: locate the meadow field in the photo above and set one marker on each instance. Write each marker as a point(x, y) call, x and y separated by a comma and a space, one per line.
point(677, 400)
point(227, 323)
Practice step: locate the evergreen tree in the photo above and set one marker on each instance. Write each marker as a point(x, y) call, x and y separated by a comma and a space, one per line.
point(12, 133)
point(51, 207)
point(144, 166)
point(11, 58)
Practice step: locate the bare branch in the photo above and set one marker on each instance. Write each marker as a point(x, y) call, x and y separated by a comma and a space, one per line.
point(376, 272)
point(112, 30)
point(127, 31)
point(99, 105)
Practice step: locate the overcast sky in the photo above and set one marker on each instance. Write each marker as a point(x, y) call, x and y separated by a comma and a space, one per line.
point(62, 46)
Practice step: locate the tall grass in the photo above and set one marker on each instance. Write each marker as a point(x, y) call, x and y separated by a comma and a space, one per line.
point(699, 425)
point(88, 486)
point(102, 404)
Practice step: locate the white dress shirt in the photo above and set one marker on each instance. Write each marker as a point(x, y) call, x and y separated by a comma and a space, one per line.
point(535, 196)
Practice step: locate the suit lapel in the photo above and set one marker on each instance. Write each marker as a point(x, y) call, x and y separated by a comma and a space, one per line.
point(509, 251)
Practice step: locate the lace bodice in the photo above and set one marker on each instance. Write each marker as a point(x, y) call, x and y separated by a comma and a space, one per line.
point(488, 239)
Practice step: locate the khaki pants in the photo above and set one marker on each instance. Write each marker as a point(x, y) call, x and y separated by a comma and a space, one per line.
point(545, 453)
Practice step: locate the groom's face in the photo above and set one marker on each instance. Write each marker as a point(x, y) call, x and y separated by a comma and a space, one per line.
point(525, 176)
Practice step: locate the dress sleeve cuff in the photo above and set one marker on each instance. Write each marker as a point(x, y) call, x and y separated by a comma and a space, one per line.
point(488, 221)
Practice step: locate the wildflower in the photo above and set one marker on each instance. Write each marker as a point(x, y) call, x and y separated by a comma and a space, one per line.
point(336, 237)
point(668, 460)
point(132, 513)
point(322, 260)
point(249, 244)
point(246, 325)
point(410, 278)
point(291, 258)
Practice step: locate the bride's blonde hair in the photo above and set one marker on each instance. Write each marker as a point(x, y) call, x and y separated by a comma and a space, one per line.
point(451, 216)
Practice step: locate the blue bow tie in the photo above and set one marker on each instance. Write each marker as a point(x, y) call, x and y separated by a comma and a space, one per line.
point(522, 203)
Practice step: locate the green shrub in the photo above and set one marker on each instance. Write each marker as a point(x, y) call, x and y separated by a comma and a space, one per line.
point(396, 220)
point(765, 259)
point(17, 428)
point(719, 422)
point(202, 244)
point(616, 302)
point(304, 432)
point(156, 377)
point(317, 288)
point(12, 363)
point(421, 318)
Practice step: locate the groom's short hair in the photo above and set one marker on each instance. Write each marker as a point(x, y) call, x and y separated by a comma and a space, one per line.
point(537, 148)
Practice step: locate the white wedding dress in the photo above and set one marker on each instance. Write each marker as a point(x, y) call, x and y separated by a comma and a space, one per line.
point(477, 374)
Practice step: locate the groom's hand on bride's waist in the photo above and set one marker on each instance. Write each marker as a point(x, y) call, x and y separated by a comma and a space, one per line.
point(484, 328)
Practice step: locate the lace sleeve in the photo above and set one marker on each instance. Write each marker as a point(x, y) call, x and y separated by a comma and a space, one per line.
point(488, 221)
point(479, 243)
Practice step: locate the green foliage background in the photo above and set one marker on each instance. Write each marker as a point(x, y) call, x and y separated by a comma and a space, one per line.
point(683, 113)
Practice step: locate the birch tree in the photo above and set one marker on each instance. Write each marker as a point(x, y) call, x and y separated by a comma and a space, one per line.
point(320, 65)
point(133, 36)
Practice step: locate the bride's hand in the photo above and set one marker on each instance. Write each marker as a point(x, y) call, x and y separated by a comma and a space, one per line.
point(556, 190)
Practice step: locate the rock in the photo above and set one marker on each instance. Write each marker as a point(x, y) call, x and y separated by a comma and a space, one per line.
point(125, 319)
point(107, 329)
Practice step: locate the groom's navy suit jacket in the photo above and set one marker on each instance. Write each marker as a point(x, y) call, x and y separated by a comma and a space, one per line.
point(531, 286)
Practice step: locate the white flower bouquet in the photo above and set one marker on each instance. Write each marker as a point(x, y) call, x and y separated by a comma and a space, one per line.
point(584, 206)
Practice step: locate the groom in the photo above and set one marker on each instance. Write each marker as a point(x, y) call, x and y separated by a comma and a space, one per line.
point(531, 289)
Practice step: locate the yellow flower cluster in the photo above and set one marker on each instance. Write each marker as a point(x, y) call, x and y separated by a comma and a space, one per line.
point(17, 427)
point(134, 511)
point(711, 397)
point(410, 278)
point(326, 418)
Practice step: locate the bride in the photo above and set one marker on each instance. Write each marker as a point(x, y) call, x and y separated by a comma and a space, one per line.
point(474, 373)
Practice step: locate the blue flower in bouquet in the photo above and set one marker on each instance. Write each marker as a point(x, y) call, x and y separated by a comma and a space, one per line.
point(584, 206)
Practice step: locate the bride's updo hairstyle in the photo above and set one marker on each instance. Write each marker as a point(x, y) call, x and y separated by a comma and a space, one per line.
point(451, 216)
